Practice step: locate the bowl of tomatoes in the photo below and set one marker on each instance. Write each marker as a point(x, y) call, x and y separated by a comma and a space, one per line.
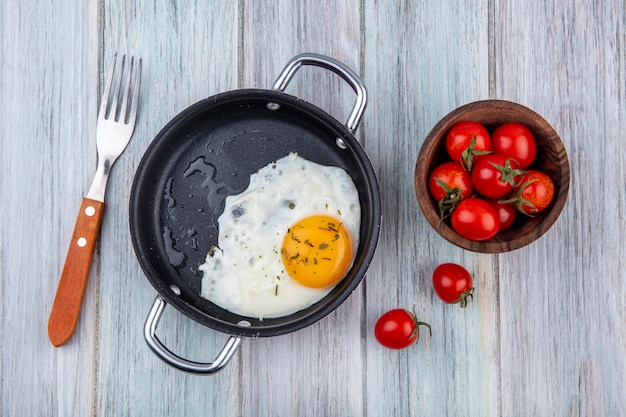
point(492, 176)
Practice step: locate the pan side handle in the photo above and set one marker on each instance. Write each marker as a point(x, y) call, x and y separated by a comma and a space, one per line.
point(331, 64)
point(176, 361)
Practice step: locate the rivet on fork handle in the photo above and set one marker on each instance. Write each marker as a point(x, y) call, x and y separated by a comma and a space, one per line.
point(69, 296)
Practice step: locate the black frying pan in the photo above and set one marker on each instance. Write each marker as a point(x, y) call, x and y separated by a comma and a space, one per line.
point(208, 152)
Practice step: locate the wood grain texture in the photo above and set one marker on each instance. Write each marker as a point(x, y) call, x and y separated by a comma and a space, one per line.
point(48, 110)
point(417, 73)
point(189, 50)
point(546, 332)
point(317, 370)
point(566, 61)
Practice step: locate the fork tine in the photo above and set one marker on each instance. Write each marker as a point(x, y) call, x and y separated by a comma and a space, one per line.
point(118, 84)
point(129, 76)
point(107, 89)
point(132, 116)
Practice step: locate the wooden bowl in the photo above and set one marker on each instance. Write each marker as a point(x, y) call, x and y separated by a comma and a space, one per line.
point(551, 159)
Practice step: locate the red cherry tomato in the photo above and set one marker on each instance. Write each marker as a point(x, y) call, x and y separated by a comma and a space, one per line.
point(451, 175)
point(465, 140)
point(475, 219)
point(453, 284)
point(495, 175)
point(506, 214)
point(398, 329)
point(514, 140)
point(449, 183)
point(535, 193)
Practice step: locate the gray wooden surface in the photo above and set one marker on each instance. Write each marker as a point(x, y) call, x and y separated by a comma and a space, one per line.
point(546, 332)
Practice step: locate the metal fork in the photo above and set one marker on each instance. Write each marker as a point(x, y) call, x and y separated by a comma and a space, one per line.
point(116, 123)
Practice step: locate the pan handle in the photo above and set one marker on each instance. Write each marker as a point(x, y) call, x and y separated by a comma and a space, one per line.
point(338, 68)
point(176, 361)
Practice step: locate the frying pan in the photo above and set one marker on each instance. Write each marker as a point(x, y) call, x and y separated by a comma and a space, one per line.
point(209, 151)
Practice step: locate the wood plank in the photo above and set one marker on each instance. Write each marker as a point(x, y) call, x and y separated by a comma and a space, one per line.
point(47, 126)
point(421, 63)
point(189, 52)
point(563, 318)
point(317, 370)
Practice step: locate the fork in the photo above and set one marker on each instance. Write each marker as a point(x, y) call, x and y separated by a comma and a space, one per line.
point(116, 123)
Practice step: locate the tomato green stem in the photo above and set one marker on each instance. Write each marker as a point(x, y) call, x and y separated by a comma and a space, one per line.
point(520, 202)
point(467, 156)
point(418, 324)
point(422, 323)
point(449, 201)
point(462, 300)
point(508, 173)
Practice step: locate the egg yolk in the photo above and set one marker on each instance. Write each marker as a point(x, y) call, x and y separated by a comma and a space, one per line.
point(317, 251)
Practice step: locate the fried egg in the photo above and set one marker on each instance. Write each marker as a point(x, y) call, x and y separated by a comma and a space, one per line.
point(284, 242)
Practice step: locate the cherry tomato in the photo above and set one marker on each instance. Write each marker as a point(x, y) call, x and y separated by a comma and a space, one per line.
point(398, 329)
point(465, 140)
point(453, 284)
point(451, 175)
point(514, 140)
point(495, 175)
point(535, 193)
point(475, 219)
point(506, 213)
point(449, 183)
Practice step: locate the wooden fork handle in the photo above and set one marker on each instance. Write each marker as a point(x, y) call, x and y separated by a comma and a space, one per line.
point(69, 297)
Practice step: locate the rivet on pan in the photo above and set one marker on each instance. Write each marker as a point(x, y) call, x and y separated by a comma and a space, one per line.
point(341, 144)
point(244, 323)
point(175, 289)
point(273, 106)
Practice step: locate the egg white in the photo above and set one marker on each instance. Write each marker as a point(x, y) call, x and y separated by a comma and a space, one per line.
point(245, 273)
